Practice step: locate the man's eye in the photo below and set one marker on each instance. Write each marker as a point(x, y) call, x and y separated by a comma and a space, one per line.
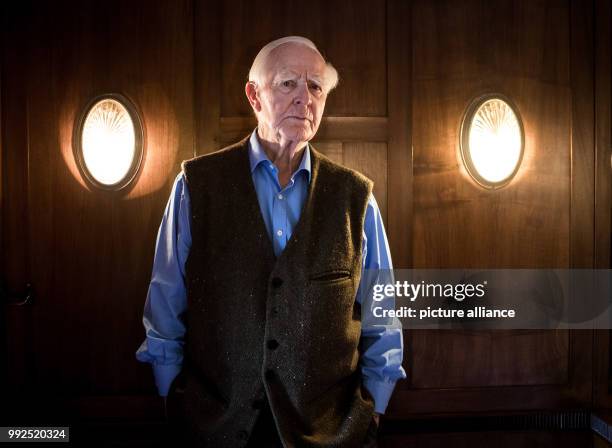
point(316, 87)
point(289, 83)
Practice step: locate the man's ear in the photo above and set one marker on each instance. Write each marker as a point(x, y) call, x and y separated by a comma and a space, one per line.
point(251, 92)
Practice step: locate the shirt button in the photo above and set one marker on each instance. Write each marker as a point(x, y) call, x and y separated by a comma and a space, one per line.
point(280, 196)
point(273, 344)
point(279, 232)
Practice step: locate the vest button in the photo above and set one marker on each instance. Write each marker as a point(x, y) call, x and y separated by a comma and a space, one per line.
point(277, 282)
point(273, 344)
point(270, 375)
point(258, 403)
point(243, 435)
point(274, 310)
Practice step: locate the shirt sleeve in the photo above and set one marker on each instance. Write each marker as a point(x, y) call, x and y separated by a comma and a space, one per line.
point(382, 345)
point(166, 301)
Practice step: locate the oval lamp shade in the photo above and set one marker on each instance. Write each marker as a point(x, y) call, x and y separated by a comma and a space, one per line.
point(492, 141)
point(109, 142)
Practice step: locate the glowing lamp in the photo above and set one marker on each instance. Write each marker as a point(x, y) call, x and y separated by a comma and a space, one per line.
point(108, 142)
point(492, 141)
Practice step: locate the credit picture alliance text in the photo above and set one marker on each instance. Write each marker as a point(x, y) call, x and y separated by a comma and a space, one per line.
point(477, 312)
point(405, 290)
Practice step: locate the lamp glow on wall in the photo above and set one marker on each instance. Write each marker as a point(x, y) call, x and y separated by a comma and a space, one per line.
point(492, 140)
point(108, 142)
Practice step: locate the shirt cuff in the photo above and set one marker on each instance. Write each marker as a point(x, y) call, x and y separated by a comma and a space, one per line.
point(381, 392)
point(164, 375)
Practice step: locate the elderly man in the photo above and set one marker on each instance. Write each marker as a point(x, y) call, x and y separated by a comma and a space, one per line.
point(253, 321)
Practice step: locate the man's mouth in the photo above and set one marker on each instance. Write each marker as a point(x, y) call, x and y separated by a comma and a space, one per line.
point(299, 118)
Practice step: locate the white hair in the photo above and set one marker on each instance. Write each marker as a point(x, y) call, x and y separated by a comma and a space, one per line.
point(256, 73)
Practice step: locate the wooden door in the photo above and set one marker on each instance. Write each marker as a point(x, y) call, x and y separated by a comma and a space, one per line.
point(87, 252)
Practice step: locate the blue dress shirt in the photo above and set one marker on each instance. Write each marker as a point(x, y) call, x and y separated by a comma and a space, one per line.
point(381, 360)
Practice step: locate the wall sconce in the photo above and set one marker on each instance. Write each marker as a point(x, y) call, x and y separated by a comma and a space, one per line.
point(108, 142)
point(492, 140)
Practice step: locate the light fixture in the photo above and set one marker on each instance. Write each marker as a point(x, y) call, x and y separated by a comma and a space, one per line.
point(492, 140)
point(108, 142)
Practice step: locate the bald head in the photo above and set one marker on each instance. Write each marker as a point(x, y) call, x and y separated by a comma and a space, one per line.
point(265, 61)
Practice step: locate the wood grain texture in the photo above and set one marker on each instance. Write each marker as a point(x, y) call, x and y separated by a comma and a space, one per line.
point(603, 137)
point(583, 138)
point(456, 222)
point(15, 236)
point(207, 75)
point(603, 184)
point(355, 45)
point(331, 149)
point(370, 159)
point(522, 50)
point(489, 358)
point(400, 106)
point(91, 250)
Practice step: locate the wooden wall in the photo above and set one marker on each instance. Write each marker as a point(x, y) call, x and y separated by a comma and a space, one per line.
point(87, 252)
point(524, 51)
point(408, 70)
point(353, 131)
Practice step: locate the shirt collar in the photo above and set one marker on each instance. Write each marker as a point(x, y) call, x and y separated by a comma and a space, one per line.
point(257, 155)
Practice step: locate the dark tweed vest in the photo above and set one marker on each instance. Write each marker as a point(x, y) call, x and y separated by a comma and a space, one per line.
point(258, 326)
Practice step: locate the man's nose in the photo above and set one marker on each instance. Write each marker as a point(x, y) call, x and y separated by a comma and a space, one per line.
point(302, 95)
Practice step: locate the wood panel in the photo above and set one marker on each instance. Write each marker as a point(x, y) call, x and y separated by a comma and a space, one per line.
point(331, 149)
point(355, 45)
point(207, 75)
point(400, 99)
point(603, 137)
point(488, 358)
point(456, 222)
point(91, 250)
point(603, 185)
point(522, 50)
point(368, 158)
point(15, 242)
point(582, 139)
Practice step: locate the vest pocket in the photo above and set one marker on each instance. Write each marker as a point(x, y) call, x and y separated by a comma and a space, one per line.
point(331, 276)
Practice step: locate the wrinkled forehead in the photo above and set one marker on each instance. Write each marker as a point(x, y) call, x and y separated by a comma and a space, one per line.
point(292, 60)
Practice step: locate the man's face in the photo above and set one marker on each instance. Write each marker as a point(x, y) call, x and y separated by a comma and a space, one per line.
point(293, 97)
